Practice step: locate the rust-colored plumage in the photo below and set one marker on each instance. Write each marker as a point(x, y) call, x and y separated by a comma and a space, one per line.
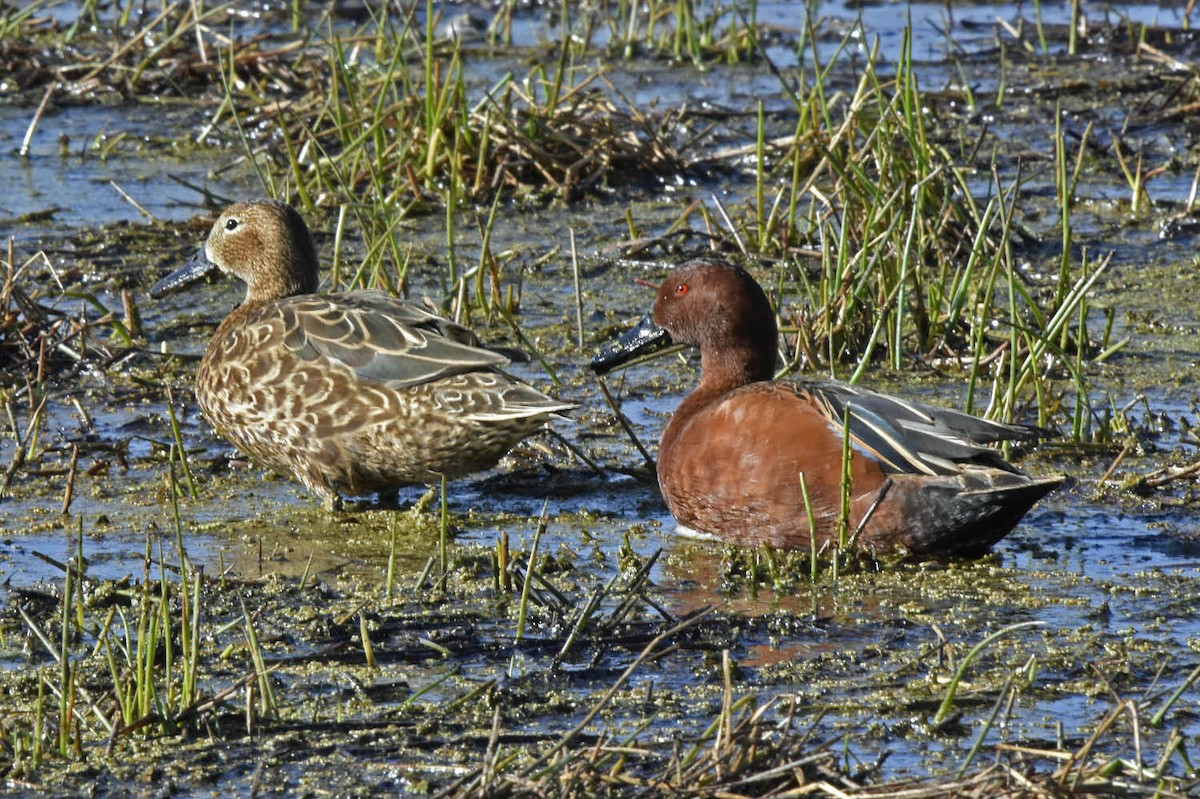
point(350, 393)
point(730, 459)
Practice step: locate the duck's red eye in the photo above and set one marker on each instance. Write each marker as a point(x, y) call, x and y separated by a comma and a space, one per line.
point(681, 289)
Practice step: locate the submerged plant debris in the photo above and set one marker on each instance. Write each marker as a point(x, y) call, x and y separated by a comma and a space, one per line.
point(993, 211)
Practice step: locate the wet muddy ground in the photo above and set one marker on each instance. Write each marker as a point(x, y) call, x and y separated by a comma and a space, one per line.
point(634, 654)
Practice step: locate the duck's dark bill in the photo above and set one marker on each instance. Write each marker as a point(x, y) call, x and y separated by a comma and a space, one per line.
point(196, 267)
point(644, 338)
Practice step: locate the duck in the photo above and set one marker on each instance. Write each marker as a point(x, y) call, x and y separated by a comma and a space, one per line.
point(349, 393)
point(922, 480)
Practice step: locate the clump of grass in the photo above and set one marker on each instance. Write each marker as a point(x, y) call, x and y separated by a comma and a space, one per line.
point(897, 261)
point(50, 331)
point(412, 136)
point(127, 659)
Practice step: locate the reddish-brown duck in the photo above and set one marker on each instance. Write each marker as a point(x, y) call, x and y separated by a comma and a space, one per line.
point(730, 459)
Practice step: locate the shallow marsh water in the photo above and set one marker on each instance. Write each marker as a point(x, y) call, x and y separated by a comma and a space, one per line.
point(1111, 575)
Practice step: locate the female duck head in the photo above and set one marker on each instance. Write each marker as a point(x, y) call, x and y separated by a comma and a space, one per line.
point(265, 243)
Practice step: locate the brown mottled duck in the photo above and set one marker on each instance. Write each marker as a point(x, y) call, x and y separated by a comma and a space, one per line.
point(353, 392)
